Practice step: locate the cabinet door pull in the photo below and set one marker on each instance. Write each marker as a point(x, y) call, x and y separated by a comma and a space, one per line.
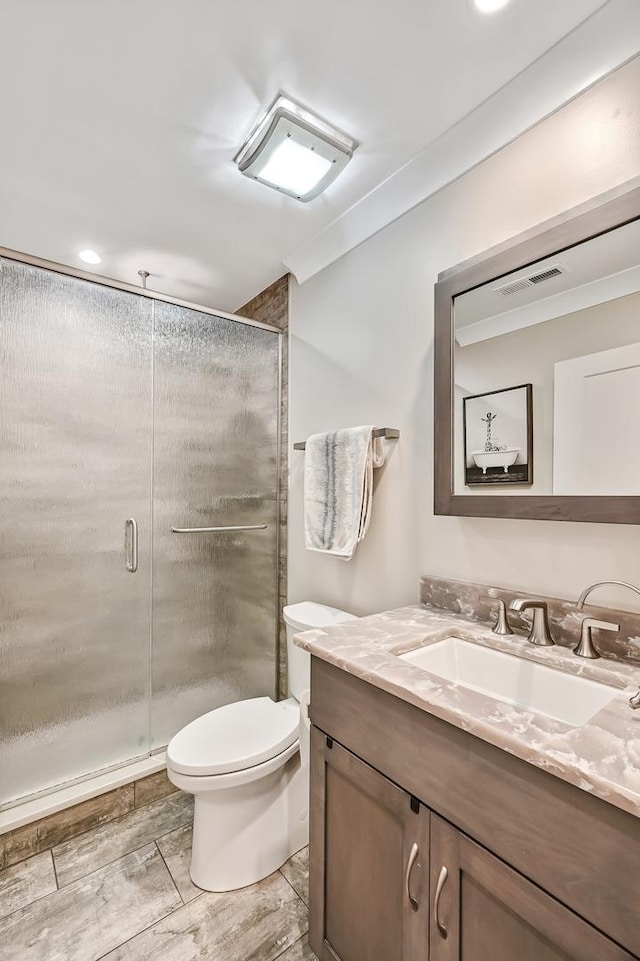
point(413, 854)
point(442, 880)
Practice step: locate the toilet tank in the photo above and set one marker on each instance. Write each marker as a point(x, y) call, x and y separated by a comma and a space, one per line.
point(304, 617)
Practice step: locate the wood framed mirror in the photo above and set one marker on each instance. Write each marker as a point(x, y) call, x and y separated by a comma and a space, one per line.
point(552, 316)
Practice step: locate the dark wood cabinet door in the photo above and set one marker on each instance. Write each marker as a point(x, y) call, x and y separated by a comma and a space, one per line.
point(483, 910)
point(369, 878)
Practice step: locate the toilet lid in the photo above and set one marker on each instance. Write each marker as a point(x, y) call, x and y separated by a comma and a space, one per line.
point(235, 737)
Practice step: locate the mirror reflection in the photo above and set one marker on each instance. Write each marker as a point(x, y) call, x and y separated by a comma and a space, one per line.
point(547, 375)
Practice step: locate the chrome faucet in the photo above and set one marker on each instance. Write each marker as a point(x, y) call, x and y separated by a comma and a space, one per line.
point(587, 590)
point(540, 635)
point(634, 702)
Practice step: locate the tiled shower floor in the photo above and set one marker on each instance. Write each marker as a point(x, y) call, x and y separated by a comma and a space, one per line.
point(122, 892)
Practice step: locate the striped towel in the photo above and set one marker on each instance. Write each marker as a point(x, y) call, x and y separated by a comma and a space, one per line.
point(338, 489)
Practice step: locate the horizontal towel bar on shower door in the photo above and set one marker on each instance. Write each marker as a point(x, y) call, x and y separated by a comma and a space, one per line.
point(217, 530)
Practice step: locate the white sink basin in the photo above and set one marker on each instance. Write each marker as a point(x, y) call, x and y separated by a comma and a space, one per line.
point(516, 680)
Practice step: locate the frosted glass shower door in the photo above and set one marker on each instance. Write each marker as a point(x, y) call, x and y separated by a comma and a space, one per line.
point(75, 456)
point(214, 609)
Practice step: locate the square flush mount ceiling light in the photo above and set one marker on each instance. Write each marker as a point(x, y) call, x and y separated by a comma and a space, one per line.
point(294, 151)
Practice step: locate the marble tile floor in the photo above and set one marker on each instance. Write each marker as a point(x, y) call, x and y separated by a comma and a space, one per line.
point(122, 892)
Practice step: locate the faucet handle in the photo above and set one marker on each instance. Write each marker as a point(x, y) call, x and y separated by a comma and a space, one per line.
point(634, 702)
point(586, 647)
point(501, 626)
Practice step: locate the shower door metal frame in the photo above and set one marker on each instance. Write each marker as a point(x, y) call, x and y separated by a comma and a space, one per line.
point(133, 289)
point(20, 257)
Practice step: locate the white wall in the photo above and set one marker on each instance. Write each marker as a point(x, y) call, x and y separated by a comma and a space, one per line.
point(362, 352)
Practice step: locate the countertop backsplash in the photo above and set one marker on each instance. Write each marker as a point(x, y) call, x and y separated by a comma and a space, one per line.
point(474, 602)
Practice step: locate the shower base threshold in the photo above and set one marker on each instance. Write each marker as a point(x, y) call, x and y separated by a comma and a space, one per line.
point(35, 808)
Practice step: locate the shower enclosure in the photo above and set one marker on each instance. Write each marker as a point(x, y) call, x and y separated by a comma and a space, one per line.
point(133, 431)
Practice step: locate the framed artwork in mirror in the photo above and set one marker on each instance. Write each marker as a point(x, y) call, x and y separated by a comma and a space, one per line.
point(498, 436)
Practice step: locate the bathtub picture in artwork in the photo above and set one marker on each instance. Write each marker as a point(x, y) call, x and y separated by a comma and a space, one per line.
point(498, 436)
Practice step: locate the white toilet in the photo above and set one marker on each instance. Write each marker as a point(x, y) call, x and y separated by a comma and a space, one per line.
point(247, 766)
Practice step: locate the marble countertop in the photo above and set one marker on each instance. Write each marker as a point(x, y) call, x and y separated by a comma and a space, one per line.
point(602, 756)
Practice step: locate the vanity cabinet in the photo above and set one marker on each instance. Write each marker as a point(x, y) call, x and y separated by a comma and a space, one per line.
point(510, 861)
point(372, 887)
point(485, 911)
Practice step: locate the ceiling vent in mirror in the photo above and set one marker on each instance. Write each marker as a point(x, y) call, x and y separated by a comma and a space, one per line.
point(507, 290)
point(531, 280)
point(545, 275)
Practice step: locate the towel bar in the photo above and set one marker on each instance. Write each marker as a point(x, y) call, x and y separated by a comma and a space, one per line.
point(389, 433)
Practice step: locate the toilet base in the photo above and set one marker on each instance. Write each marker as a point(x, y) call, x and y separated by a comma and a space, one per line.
point(242, 834)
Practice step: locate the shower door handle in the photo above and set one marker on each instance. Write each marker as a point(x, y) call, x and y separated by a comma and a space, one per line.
point(131, 545)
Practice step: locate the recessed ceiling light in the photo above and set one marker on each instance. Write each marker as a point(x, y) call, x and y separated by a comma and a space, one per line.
point(294, 151)
point(490, 6)
point(90, 257)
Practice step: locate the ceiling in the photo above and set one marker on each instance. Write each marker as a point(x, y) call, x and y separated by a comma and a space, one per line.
point(120, 121)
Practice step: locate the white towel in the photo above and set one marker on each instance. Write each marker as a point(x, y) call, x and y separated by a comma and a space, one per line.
point(338, 489)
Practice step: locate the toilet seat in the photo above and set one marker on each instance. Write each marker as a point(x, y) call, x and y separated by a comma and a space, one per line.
point(205, 783)
point(235, 738)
